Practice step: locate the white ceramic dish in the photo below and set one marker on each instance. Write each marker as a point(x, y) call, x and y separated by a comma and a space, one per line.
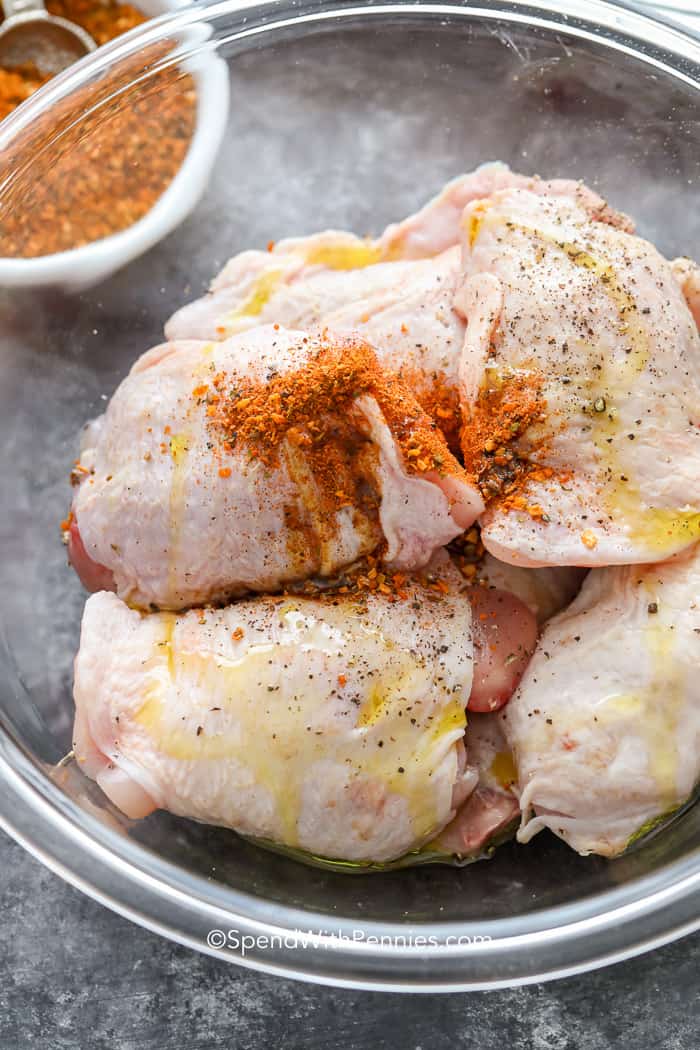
point(84, 267)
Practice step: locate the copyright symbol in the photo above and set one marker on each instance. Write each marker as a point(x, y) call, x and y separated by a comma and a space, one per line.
point(216, 938)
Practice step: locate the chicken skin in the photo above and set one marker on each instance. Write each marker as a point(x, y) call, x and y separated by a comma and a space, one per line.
point(281, 646)
point(687, 273)
point(582, 360)
point(303, 279)
point(181, 503)
point(399, 291)
point(605, 725)
point(332, 724)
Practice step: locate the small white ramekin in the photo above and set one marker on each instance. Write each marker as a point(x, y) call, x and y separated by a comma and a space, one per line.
point(83, 267)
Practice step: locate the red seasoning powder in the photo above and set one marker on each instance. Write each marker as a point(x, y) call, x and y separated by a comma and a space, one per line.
point(98, 161)
point(312, 410)
point(102, 19)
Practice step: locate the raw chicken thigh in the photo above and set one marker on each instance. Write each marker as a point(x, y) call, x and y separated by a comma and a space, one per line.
point(398, 292)
point(181, 502)
point(294, 437)
point(492, 807)
point(311, 724)
point(585, 433)
point(405, 309)
point(302, 279)
point(341, 282)
point(330, 724)
point(605, 726)
point(295, 284)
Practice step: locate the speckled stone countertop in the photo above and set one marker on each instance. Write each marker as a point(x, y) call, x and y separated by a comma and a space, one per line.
point(74, 975)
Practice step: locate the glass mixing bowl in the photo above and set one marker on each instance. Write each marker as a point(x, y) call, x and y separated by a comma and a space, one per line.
point(346, 115)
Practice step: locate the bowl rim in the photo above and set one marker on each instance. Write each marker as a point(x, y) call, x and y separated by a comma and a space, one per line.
point(158, 894)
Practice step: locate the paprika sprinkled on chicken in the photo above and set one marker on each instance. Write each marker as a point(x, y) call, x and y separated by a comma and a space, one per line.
point(227, 486)
point(399, 292)
point(594, 320)
point(510, 373)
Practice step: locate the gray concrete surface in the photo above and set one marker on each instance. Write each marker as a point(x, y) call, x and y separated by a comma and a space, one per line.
point(73, 976)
